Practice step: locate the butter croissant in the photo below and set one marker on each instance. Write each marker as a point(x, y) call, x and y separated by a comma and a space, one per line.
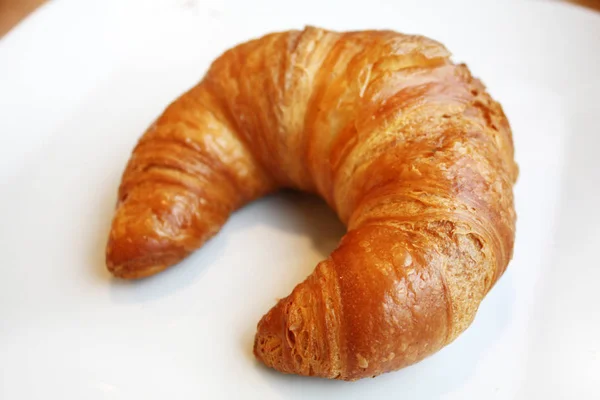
point(408, 149)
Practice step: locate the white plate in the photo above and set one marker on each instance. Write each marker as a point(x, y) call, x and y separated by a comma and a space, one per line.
point(80, 82)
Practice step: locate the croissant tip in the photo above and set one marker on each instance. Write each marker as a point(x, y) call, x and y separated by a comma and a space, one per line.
point(269, 346)
point(126, 272)
point(137, 255)
point(288, 341)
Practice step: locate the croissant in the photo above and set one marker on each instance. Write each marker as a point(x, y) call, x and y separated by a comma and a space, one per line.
point(409, 150)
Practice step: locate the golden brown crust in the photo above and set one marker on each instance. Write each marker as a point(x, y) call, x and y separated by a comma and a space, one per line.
point(408, 148)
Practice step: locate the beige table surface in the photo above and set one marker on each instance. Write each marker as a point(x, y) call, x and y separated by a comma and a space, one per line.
point(13, 11)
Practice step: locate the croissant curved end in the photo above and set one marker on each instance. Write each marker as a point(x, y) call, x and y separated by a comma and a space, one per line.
point(129, 272)
point(146, 238)
point(292, 339)
point(136, 257)
point(271, 346)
